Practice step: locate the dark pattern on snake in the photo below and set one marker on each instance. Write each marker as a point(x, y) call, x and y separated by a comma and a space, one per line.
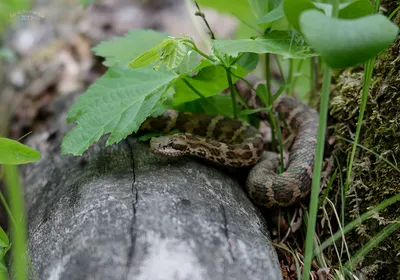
point(235, 143)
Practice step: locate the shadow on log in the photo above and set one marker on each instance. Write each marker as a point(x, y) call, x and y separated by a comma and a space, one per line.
point(122, 213)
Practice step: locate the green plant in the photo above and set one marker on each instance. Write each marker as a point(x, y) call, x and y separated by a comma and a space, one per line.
point(11, 154)
point(165, 72)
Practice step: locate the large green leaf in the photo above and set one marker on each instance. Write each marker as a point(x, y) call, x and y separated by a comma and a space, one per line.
point(352, 10)
point(211, 80)
point(343, 42)
point(208, 82)
point(356, 9)
point(13, 152)
point(273, 15)
point(259, 7)
point(287, 44)
point(220, 104)
point(117, 103)
point(127, 48)
point(293, 10)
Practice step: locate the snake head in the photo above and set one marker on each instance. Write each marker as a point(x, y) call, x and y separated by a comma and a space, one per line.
point(172, 145)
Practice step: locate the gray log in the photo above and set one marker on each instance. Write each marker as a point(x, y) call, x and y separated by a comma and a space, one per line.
point(122, 213)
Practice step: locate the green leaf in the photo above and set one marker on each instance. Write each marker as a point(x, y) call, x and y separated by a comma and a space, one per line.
point(293, 10)
point(258, 7)
point(3, 252)
point(4, 241)
point(146, 58)
point(148, 136)
point(240, 9)
point(352, 10)
point(342, 42)
point(357, 9)
point(117, 103)
point(287, 44)
point(220, 104)
point(13, 152)
point(273, 15)
point(209, 81)
point(3, 268)
point(191, 63)
point(129, 47)
point(173, 53)
point(248, 61)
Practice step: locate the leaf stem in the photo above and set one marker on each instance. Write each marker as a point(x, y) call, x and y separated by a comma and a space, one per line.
point(233, 92)
point(280, 69)
point(193, 46)
point(269, 101)
point(317, 173)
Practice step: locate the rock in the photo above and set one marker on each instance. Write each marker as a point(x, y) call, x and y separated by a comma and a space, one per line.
point(122, 213)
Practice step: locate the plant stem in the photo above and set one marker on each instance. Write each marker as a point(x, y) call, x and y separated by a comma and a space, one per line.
point(8, 210)
point(323, 114)
point(233, 92)
point(293, 84)
point(193, 46)
point(290, 74)
point(280, 142)
point(319, 154)
point(268, 76)
point(19, 230)
point(201, 14)
point(280, 69)
point(313, 78)
point(269, 100)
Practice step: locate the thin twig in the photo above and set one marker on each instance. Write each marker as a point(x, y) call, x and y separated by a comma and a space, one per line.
point(202, 15)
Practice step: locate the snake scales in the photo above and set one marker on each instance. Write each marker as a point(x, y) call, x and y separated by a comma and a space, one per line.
point(235, 143)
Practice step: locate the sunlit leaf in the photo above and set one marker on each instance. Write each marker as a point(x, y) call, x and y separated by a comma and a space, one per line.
point(287, 44)
point(13, 152)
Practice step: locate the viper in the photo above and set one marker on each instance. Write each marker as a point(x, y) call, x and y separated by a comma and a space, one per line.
point(235, 143)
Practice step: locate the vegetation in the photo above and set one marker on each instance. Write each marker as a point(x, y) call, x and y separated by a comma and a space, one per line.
point(173, 72)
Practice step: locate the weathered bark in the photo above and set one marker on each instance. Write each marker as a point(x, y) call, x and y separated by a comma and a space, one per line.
point(373, 180)
point(123, 213)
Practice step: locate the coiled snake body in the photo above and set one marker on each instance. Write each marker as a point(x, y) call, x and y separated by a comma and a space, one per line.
point(235, 143)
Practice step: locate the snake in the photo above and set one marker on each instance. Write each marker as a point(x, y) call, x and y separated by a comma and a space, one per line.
point(235, 143)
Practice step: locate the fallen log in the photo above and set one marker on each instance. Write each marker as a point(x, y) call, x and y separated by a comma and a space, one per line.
point(120, 212)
